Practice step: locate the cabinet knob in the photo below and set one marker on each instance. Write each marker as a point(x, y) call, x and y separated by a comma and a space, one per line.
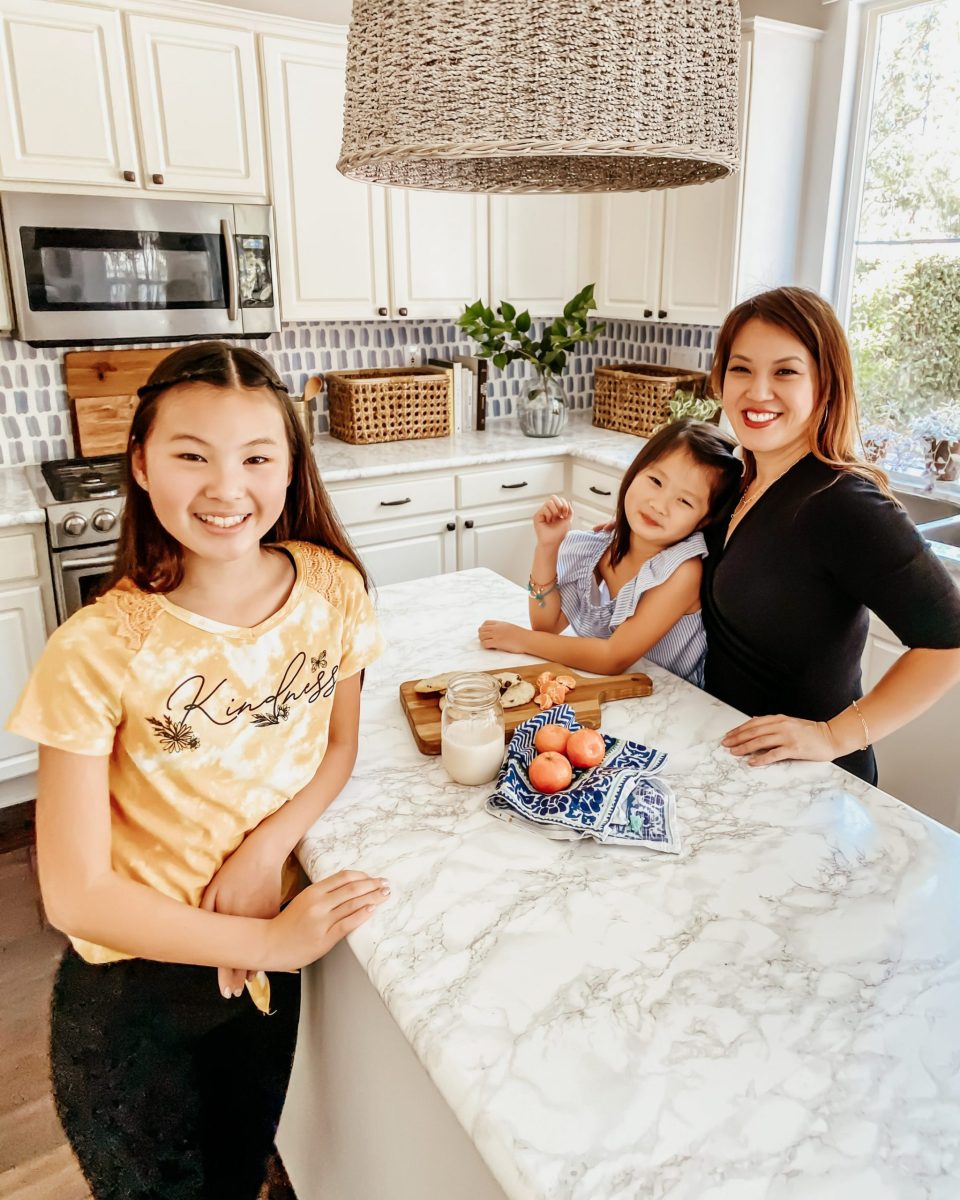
point(402, 312)
point(130, 176)
point(662, 313)
point(468, 524)
point(158, 179)
point(648, 312)
point(381, 312)
point(451, 526)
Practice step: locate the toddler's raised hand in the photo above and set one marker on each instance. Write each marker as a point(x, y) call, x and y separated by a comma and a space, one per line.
point(322, 914)
point(552, 521)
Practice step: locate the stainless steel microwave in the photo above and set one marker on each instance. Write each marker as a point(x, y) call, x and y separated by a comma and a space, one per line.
point(85, 269)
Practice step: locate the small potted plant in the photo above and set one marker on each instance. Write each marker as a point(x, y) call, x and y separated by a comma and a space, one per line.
point(688, 405)
point(505, 335)
point(940, 431)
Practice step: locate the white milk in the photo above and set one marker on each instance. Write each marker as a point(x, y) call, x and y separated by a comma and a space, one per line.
point(472, 751)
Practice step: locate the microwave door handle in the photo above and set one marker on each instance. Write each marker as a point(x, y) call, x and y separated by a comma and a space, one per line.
point(233, 298)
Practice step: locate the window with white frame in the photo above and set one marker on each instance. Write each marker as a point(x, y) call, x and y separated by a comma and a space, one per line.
point(903, 270)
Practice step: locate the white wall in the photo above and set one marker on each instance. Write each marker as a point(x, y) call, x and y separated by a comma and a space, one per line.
point(800, 12)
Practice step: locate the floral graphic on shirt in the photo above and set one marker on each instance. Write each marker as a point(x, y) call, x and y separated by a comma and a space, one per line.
point(317, 663)
point(262, 719)
point(174, 735)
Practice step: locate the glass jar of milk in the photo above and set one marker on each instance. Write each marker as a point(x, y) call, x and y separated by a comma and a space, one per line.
point(472, 730)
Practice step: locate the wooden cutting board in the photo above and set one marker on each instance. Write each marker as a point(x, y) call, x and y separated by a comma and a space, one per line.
point(423, 712)
point(102, 389)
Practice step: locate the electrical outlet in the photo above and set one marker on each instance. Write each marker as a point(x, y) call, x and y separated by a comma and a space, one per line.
point(684, 357)
point(412, 357)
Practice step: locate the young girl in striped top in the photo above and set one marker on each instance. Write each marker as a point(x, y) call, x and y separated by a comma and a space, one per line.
point(632, 590)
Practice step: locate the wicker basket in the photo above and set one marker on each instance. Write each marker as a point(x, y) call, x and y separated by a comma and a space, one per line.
point(389, 404)
point(633, 397)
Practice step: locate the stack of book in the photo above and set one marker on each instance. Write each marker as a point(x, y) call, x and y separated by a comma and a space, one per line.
point(468, 391)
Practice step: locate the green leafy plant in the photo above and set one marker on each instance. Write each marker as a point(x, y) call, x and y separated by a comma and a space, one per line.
point(504, 335)
point(689, 405)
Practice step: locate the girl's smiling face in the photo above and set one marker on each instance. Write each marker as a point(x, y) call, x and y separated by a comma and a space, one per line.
point(669, 498)
point(216, 465)
point(770, 390)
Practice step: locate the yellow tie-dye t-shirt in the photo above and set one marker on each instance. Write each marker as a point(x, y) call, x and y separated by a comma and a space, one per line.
point(210, 728)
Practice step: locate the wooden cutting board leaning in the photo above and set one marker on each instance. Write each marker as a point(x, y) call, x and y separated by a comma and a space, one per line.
point(423, 711)
point(102, 390)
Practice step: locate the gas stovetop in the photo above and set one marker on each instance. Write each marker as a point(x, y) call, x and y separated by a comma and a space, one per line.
point(75, 479)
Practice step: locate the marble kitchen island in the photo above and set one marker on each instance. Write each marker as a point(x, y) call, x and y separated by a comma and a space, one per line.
point(771, 1014)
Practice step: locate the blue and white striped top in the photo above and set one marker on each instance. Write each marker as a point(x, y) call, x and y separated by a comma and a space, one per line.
point(591, 613)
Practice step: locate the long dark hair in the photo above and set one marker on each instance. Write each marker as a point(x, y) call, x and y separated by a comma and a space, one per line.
point(146, 553)
point(705, 444)
point(836, 419)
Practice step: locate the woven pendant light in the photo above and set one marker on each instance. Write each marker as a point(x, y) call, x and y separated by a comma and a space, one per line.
point(541, 95)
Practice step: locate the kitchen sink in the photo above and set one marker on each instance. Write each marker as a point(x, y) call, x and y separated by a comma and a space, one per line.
point(922, 509)
point(947, 531)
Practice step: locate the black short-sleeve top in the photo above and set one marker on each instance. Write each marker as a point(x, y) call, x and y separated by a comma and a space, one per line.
point(785, 602)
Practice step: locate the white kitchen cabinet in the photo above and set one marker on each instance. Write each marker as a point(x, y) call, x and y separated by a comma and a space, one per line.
point(26, 615)
point(66, 115)
point(402, 550)
point(348, 250)
point(500, 538)
point(688, 254)
point(920, 763)
point(438, 252)
point(198, 101)
point(331, 231)
point(595, 487)
point(534, 252)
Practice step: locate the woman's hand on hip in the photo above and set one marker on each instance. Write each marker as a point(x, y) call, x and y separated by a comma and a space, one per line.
point(765, 740)
point(315, 920)
point(552, 521)
point(501, 635)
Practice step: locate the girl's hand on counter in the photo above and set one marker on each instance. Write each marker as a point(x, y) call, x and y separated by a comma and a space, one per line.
point(501, 635)
point(315, 920)
point(247, 885)
point(552, 521)
point(765, 740)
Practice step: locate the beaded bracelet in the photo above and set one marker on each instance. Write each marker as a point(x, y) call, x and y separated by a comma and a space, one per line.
point(863, 722)
point(539, 591)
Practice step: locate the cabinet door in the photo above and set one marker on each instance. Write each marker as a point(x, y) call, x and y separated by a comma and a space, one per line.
point(631, 255)
point(331, 231)
point(585, 516)
point(920, 763)
point(21, 641)
point(198, 100)
point(65, 114)
point(501, 539)
point(396, 551)
point(534, 252)
point(699, 250)
point(438, 252)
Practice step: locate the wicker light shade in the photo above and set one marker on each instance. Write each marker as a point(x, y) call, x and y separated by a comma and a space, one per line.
point(541, 95)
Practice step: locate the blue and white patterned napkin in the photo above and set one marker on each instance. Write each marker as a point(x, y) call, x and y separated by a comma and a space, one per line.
point(618, 802)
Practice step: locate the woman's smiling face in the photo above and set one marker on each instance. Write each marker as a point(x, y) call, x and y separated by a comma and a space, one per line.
point(770, 390)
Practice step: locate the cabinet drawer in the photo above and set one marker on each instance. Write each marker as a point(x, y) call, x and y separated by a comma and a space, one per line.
point(596, 487)
point(394, 498)
point(517, 482)
point(18, 558)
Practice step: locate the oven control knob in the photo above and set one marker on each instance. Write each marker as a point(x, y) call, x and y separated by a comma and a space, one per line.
point(104, 520)
point(74, 524)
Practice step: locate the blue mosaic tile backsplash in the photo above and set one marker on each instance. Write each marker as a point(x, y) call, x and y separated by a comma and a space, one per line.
point(35, 421)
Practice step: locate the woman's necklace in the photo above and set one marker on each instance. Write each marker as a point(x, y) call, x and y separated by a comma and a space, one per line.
point(743, 503)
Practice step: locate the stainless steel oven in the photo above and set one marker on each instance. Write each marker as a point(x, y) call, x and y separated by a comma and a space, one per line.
point(78, 576)
point(85, 269)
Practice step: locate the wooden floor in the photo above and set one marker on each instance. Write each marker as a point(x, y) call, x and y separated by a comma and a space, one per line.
point(35, 1161)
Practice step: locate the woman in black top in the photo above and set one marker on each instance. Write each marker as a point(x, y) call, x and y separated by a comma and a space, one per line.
point(813, 541)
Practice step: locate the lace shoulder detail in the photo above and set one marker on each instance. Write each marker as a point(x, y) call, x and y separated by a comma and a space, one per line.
point(322, 570)
point(133, 610)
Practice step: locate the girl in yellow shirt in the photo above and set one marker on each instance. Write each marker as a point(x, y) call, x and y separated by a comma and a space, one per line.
point(193, 723)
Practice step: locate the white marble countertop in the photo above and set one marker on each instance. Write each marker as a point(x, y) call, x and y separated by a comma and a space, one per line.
point(772, 1014)
point(502, 441)
point(18, 505)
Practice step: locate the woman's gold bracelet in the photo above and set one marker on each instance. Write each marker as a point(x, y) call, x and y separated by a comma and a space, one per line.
point(863, 722)
point(539, 591)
